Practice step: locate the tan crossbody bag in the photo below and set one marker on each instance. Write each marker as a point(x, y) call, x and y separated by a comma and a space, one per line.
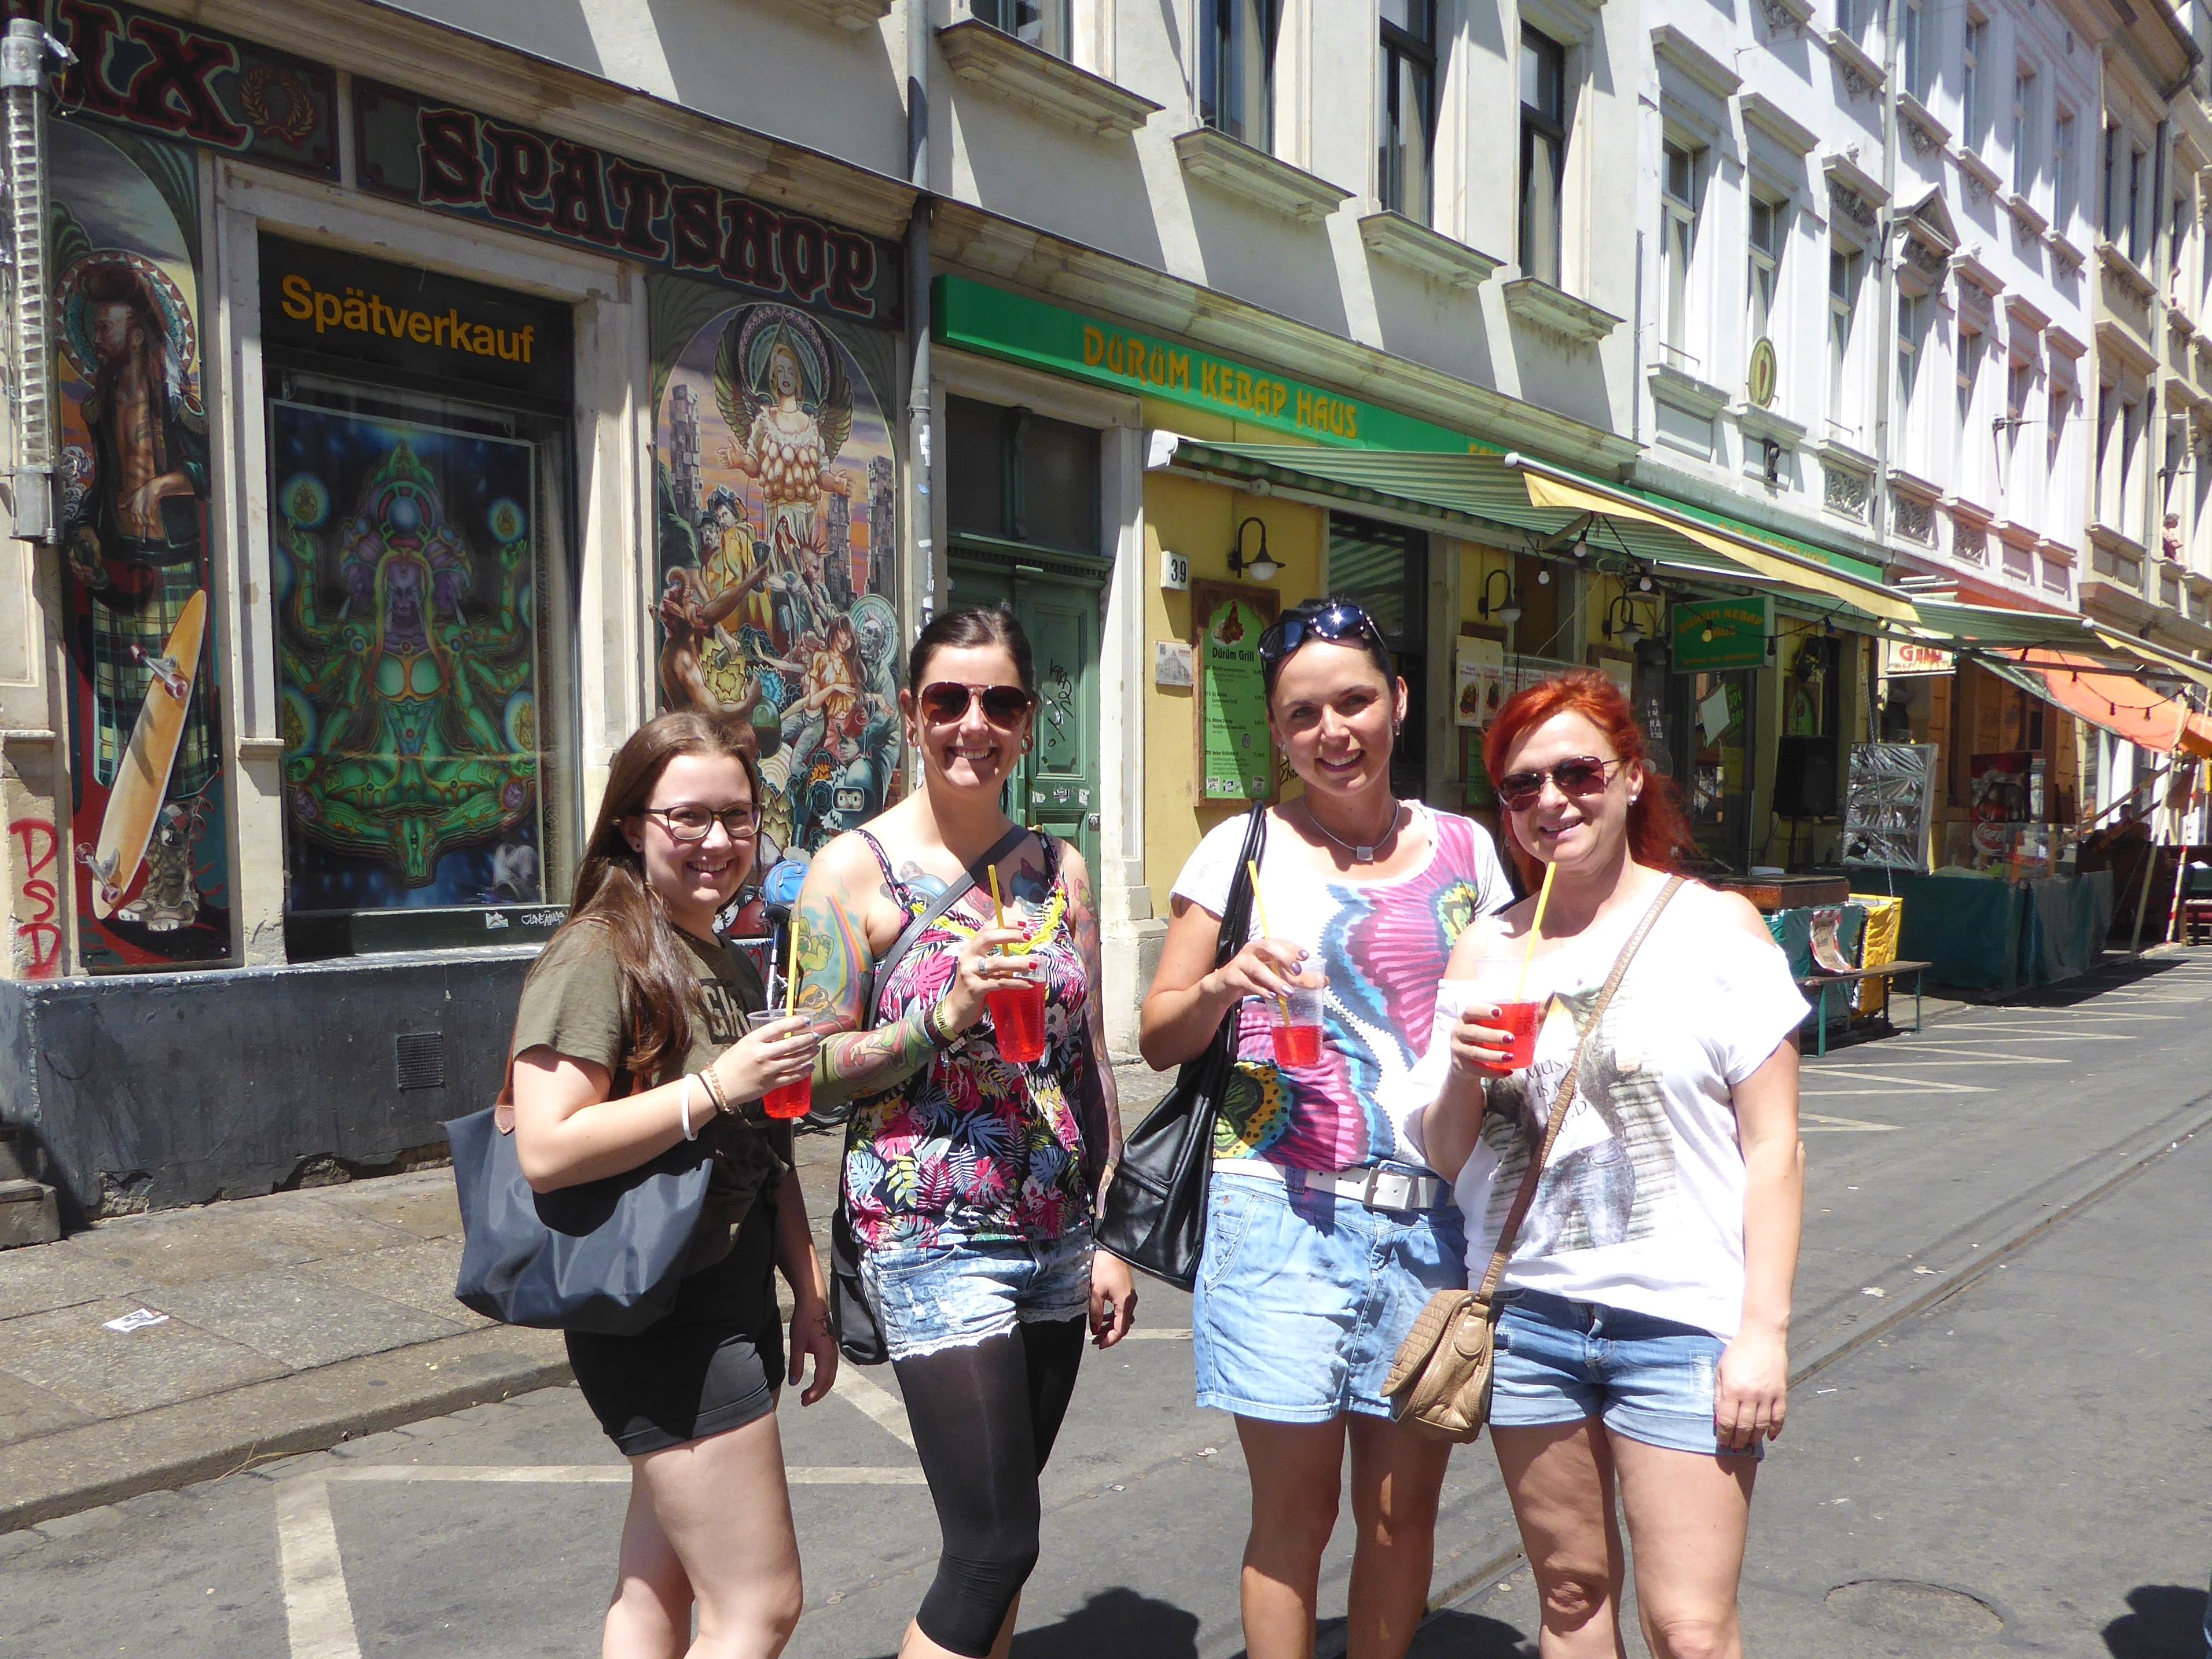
point(1439, 1384)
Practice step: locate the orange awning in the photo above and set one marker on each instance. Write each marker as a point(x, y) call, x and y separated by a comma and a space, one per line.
point(2120, 704)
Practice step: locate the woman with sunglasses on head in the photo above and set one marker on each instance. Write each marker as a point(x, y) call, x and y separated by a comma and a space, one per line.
point(1325, 1230)
point(975, 1149)
point(631, 1038)
point(1644, 1345)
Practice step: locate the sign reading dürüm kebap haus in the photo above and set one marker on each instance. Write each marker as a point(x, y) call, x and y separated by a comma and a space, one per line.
point(498, 173)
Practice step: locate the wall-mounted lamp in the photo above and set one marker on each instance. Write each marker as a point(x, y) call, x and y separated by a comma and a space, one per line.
point(1772, 455)
point(1262, 569)
point(1622, 622)
point(1507, 610)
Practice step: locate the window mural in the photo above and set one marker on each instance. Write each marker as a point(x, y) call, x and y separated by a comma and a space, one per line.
point(147, 806)
point(775, 478)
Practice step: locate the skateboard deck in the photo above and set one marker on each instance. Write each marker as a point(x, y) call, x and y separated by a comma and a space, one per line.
point(136, 801)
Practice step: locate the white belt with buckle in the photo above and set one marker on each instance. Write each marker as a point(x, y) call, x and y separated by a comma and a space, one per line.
point(1377, 1188)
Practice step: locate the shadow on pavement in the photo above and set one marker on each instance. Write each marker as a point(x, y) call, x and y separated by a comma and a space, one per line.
point(2167, 1623)
point(1115, 1624)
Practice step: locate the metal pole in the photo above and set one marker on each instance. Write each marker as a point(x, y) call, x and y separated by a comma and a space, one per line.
point(22, 78)
point(920, 456)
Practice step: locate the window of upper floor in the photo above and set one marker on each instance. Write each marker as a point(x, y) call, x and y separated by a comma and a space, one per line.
point(1236, 68)
point(1681, 190)
point(1768, 240)
point(2023, 130)
point(1914, 310)
point(1846, 276)
point(1406, 109)
point(1046, 24)
point(1973, 89)
point(2064, 167)
point(1912, 46)
point(1544, 116)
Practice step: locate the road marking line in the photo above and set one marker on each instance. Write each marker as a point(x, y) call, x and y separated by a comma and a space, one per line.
point(599, 1474)
point(317, 1611)
point(1815, 1123)
point(875, 1402)
point(1924, 1084)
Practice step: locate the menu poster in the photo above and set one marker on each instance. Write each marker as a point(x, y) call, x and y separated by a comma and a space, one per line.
point(1235, 755)
point(1482, 679)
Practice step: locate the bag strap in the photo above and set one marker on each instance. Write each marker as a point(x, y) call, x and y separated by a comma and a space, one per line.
point(1236, 911)
point(1565, 1098)
point(910, 935)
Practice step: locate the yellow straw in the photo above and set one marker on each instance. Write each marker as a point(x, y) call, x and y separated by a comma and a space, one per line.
point(1260, 903)
point(790, 971)
point(998, 904)
point(1535, 925)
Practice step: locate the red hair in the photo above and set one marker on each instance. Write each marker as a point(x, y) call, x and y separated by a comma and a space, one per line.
point(1658, 830)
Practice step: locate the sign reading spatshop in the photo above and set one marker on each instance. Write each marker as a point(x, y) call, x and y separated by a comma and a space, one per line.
point(340, 305)
point(497, 173)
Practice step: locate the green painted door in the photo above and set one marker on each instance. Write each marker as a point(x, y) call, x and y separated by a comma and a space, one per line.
point(1056, 787)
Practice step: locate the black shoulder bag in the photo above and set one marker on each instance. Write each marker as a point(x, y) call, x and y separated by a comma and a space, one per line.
point(1153, 1212)
point(859, 1338)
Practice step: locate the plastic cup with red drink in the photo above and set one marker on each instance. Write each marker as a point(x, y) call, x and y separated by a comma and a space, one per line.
point(1295, 1023)
point(793, 1100)
point(1016, 1009)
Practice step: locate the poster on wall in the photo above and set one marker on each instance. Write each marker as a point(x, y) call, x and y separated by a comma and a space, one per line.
point(1889, 797)
point(408, 662)
point(775, 480)
point(147, 810)
point(1235, 753)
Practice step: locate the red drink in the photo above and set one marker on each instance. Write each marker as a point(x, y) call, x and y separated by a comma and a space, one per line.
point(1521, 1019)
point(1018, 1022)
point(793, 1100)
point(1297, 1045)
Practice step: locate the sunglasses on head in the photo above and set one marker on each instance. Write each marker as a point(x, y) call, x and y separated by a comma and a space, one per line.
point(945, 702)
point(1339, 621)
point(1583, 775)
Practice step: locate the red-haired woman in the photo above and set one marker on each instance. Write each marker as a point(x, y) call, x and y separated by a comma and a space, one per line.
point(1643, 1342)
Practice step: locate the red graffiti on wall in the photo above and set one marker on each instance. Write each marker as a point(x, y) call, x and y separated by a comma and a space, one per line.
point(37, 936)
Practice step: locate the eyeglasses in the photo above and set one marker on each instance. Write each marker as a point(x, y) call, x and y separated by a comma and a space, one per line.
point(1339, 621)
point(692, 823)
point(947, 700)
point(1584, 774)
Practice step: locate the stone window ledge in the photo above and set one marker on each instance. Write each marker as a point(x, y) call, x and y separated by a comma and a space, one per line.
point(852, 14)
point(1268, 180)
point(995, 61)
point(1538, 304)
point(1391, 235)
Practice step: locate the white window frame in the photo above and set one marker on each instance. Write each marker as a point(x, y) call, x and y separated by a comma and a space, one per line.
point(1912, 48)
point(1916, 308)
point(1973, 93)
point(1679, 311)
point(1968, 355)
point(1842, 336)
point(2063, 198)
point(2023, 130)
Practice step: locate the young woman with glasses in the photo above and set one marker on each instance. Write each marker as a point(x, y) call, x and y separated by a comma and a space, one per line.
point(1325, 1229)
point(1642, 1351)
point(977, 1140)
point(631, 1038)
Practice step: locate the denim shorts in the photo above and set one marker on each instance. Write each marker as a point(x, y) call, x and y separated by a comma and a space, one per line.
point(953, 1296)
point(1648, 1379)
point(1304, 1297)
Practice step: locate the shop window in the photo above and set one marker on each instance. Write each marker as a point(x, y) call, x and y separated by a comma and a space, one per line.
point(1405, 117)
point(421, 556)
point(1013, 476)
point(1041, 23)
point(1385, 569)
point(1236, 68)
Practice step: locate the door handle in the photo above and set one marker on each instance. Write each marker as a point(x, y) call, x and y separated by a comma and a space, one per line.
point(1090, 820)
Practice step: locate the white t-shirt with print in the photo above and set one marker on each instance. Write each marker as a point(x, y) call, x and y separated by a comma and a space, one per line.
point(1383, 946)
point(1641, 1205)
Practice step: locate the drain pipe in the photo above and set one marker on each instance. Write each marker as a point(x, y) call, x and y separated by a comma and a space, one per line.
point(23, 53)
point(922, 497)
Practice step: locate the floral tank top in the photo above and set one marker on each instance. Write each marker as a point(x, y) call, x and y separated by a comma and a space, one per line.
point(972, 1147)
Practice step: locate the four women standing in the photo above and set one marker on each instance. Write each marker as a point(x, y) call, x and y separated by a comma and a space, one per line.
point(1353, 1175)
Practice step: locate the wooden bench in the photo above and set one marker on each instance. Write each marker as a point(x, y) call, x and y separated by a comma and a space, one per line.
point(1825, 981)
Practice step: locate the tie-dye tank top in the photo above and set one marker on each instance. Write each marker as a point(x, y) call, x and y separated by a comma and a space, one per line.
point(972, 1147)
point(1384, 945)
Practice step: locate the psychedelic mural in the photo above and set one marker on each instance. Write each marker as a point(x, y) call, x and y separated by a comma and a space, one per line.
point(147, 821)
point(775, 478)
point(408, 661)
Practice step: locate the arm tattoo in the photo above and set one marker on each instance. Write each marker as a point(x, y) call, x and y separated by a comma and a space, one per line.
point(833, 958)
point(1099, 1095)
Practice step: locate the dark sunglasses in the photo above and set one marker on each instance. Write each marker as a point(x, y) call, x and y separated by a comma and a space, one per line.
point(1332, 621)
point(692, 823)
point(1584, 774)
point(947, 700)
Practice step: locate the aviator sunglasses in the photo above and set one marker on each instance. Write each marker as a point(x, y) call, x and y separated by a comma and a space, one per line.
point(1337, 620)
point(1578, 777)
point(945, 702)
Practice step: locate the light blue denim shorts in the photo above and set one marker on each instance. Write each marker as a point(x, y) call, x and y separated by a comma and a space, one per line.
point(1646, 1378)
point(1304, 1297)
point(953, 1296)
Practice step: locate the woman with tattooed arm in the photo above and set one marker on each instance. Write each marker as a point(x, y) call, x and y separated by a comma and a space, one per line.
point(970, 1178)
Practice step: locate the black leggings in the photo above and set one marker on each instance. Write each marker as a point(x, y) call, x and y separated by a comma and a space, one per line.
point(984, 1420)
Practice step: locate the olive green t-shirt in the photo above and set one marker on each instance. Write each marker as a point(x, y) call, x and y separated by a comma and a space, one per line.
point(572, 1004)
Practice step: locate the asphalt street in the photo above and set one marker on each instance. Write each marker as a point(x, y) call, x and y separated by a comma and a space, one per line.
point(2000, 1441)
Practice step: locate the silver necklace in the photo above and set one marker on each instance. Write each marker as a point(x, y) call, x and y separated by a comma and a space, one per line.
point(1359, 855)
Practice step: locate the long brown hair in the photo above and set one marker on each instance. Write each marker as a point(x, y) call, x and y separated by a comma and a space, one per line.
point(659, 983)
point(1659, 834)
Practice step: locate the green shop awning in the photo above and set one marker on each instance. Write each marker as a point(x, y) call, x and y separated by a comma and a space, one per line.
point(1994, 629)
point(1509, 492)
